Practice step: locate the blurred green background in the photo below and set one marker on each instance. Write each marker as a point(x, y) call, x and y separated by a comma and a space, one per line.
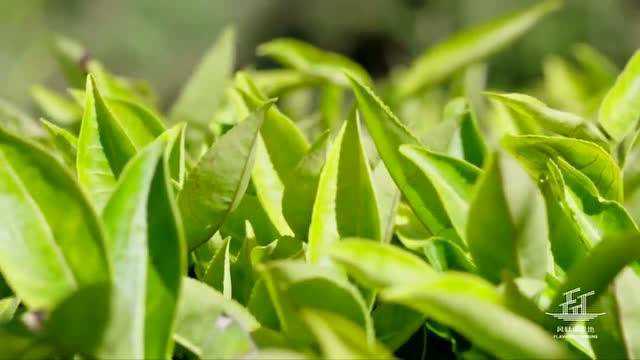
point(161, 40)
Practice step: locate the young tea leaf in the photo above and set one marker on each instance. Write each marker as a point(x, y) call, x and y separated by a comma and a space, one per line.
point(467, 47)
point(44, 257)
point(216, 185)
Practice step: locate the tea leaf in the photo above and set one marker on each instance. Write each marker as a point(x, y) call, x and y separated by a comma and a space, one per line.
point(534, 151)
point(600, 70)
point(467, 47)
point(345, 202)
point(565, 86)
point(472, 307)
point(210, 325)
point(388, 197)
point(279, 148)
point(619, 109)
point(204, 90)
point(218, 272)
point(444, 255)
point(216, 185)
point(394, 324)
point(44, 256)
point(313, 61)
point(140, 124)
point(78, 324)
point(559, 122)
point(294, 285)
point(452, 180)
point(275, 82)
point(64, 141)
point(340, 338)
point(57, 107)
point(598, 269)
point(507, 227)
point(379, 265)
point(301, 186)
point(72, 58)
point(389, 134)
point(147, 250)
point(103, 148)
point(356, 208)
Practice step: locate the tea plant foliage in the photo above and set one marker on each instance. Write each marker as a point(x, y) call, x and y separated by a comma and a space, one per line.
point(387, 214)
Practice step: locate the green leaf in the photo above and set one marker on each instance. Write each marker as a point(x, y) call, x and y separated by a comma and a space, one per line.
point(18, 342)
point(627, 292)
point(294, 285)
point(204, 90)
point(568, 241)
point(78, 324)
point(444, 255)
point(16, 120)
point(284, 141)
point(409, 230)
point(139, 123)
point(534, 151)
point(252, 211)
point(301, 186)
point(565, 85)
point(600, 71)
point(216, 185)
point(148, 253)
point(599, 268)
point(262, 307)
point(340, 338)
point(620, 108)
point(451, 179)
point(211, 325)
point(64, 141)
point(473, 308)
point(394, 324)
point(474, 146)
point(388, 197)
point(269, 188)
point(559, 122)
point(331, 104)
point(44, 257)
point(72, 58)
point(389, 134)
point(595, 216)
point(57, 107)
point(507, 227)
point(281, 146)
point(218, 271)
point(313, 61)
point(457, 134)
point(467, 47)
point(276, 82)
point(202, 255)
point(617, 324)
point(116, 87)
point(345, 202)
point(380, 265)
point(103, 147)
point(8, 308)
point(356, 202)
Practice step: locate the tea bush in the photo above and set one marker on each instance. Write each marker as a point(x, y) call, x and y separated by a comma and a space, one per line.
point(312, 212)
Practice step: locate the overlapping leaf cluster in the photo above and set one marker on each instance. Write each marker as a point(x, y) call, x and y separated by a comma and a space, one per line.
point(344, 219)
